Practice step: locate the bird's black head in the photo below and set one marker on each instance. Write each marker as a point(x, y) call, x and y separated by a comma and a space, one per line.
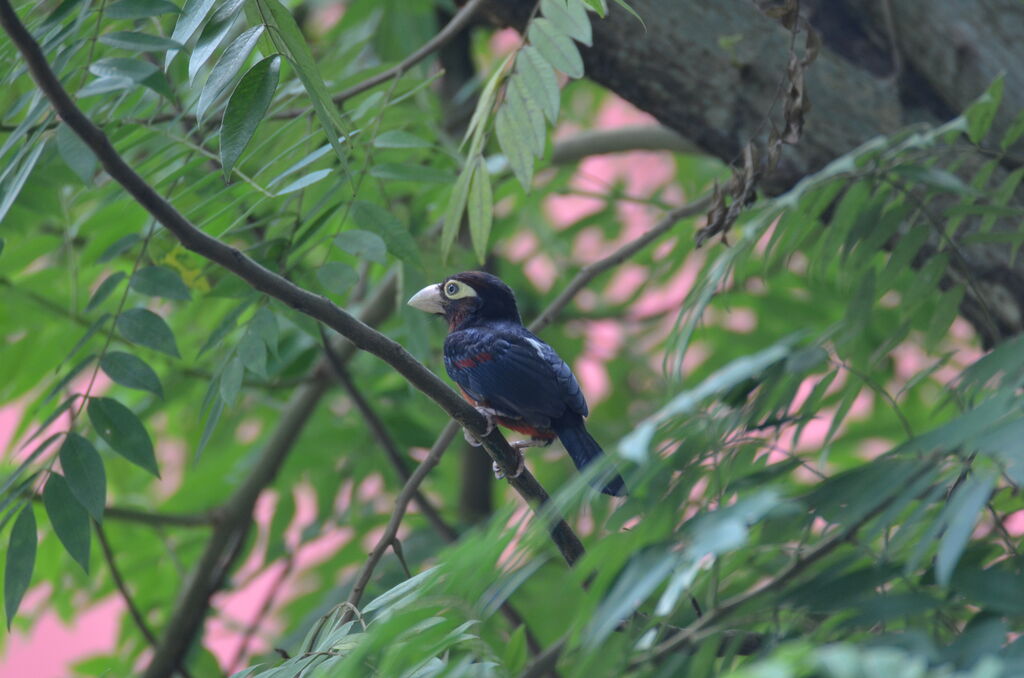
point(467, 299)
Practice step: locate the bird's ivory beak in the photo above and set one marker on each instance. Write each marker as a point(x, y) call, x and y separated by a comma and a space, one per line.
point(428, 299)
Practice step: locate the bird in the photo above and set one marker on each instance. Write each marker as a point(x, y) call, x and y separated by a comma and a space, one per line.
point(510, 375)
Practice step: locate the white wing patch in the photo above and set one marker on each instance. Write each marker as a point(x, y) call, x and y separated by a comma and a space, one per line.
point(538, 347)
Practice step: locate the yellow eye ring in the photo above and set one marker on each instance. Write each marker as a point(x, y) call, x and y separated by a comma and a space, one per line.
point(453, 289)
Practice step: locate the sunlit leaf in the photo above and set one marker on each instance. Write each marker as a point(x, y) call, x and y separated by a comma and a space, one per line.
point(139, 42)
point(225, 71)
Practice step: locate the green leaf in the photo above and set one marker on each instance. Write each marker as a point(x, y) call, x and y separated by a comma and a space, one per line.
point(599, 6)
point(246, 108)
point(105, 85)
point(482, 112)
point(108, 285)
point(209, 425)
point(131, 371)
point(362, 245)
point(10, 189)
point(214, 33)
point(139, 9)
point(69, 519)
point(139, 42)
point(569, 18)
point(83, 470)
point(642, 576)
point(372, 217)
point(556, 47)
point(397, 138)
point(336, 277)
point(146, 328)
point(456, 206)
point(21, 559)
point(1014, 132)
point(288, 36)
point(526, 116)
point(515, 148)
point(76, 154)
point(160, 281)
point(192, 15)
point(231, 381)
point(225, 72)
point(934, 177)
point(120, 246)
point(962, 515)
point(135, 70)
point(123, 431)
point(305, 181)
point(538, 81)
point(264, 326)
point(415, 173)
point(982, 112)
point(480, 209)
point(253, 353)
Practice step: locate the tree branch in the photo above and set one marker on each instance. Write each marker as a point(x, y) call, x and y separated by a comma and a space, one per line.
point(380, 433)
point(627, 138)
point(260, 278)
point(451, 29)
point(122, 587)
point(591, 271)
point(401, 504)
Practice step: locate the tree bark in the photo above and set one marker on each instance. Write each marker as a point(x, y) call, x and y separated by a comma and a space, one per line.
point(712, 71)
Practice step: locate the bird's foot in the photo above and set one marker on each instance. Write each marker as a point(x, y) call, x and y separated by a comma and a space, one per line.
point(499, 474)
point(489, 415)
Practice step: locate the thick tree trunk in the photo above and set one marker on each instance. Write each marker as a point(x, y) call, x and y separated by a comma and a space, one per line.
point(712, 70)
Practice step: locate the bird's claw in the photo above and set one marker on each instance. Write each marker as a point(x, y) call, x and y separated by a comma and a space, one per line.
point(489, 415)
point(499, 474)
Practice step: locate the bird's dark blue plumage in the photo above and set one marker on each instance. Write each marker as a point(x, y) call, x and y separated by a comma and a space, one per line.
point(501, 365)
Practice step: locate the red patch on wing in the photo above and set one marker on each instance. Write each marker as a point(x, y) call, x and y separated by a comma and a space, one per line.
point(473, 360)
point(520, 426)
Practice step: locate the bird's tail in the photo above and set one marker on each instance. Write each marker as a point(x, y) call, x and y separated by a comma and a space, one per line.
point(584, 449)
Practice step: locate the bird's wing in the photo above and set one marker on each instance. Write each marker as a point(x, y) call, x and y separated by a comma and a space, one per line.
point(513, 372)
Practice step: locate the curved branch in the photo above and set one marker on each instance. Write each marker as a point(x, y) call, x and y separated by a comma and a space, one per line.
point(591, 271)
point(627, 138)
point(451, 29)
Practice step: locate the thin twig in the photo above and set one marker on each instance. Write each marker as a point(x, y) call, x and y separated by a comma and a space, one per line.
point(401, 504)
point(591, 271)
point(385, 441)
point(260, 278)
point(451, 29)
point(122, 587)
point(268, 603)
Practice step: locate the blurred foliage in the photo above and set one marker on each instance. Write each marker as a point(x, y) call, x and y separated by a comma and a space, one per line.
point(750, 545)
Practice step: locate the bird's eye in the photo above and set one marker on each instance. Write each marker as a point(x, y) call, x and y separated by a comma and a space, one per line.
point(451, 289)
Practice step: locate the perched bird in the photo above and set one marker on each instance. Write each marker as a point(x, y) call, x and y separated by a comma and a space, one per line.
point(506, 372)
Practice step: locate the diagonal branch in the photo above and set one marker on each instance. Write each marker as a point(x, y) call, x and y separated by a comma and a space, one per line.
point(316, 306)
point(591, 271)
